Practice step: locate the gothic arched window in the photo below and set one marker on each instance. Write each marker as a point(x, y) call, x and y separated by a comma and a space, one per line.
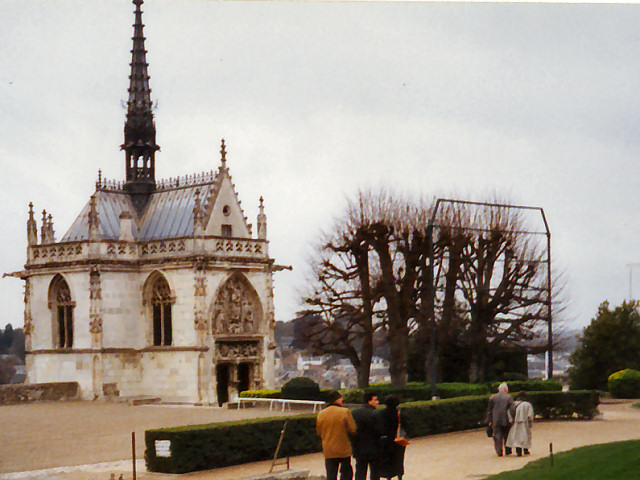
point(61, 307)
point(161, 311)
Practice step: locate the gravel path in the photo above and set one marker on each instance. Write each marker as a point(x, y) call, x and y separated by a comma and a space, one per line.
point(41, 436)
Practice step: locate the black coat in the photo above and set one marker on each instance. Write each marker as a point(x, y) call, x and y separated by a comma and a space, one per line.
point(391, 462)
point(366, 441)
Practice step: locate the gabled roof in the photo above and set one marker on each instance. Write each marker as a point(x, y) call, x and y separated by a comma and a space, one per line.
point(168, 214)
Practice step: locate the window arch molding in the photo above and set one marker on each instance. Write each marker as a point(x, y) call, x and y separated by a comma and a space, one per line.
point(61, 305)
point(158, 299)
point(236, 308)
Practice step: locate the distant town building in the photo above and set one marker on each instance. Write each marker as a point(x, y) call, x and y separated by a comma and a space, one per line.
point(158, 287)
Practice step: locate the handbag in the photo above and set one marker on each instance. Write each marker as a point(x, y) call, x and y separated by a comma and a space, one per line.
point(401, 436)
point(489, 431)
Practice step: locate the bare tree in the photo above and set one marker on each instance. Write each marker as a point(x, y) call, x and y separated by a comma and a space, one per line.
point(502, 280)
point(342, 299)
point(374, 271)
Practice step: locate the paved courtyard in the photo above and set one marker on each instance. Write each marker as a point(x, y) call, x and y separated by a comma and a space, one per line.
point(95, 439)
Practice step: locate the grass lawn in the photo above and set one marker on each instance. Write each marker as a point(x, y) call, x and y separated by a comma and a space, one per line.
point(618, 460)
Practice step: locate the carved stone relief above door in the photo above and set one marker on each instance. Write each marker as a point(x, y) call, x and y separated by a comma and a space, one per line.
point(237, 309)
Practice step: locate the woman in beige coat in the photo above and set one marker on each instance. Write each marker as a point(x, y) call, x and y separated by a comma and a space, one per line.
point(521, 418)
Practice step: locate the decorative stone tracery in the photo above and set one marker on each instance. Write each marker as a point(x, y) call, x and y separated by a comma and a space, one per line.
point(237, 308)
point(28, 321)
point(238, 350)
point(95, 298)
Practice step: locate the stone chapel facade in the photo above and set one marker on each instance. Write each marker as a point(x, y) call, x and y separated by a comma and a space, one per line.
point(158, 288)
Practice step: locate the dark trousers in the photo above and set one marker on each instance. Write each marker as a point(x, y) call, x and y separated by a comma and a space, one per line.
point(332, 464)
point(500, 434)
point(361, 469)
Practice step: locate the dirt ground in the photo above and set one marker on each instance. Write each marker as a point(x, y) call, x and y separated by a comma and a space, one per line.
point(89, 441)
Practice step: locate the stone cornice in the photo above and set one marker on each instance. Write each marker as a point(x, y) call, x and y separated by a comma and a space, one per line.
point(186, 261)
point(155, 349)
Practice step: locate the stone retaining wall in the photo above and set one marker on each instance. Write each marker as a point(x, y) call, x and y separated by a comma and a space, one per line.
point(38, 392)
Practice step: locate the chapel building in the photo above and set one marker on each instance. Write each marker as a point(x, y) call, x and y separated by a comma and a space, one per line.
point(158, 288)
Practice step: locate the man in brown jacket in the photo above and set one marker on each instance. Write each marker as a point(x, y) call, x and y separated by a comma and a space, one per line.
point(334, 426)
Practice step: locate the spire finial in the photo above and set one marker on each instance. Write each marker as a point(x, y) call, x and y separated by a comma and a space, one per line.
point(32, 228)
point(223, 153)
point(139, 129)
point(262, 221)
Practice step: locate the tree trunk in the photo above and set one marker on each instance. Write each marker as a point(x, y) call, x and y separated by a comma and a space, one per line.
point(361, 255)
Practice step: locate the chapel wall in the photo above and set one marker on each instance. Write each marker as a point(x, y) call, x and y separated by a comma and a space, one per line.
point(42, 333)
point(70, 367)
point(79, 285)
point(169, 374)
point(122, 310)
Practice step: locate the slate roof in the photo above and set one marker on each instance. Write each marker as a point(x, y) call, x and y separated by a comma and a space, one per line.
point(169, 214)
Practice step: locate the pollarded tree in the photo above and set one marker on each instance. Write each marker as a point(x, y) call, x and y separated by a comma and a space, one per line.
point(611, 342)
point(340, 316)
point(491, 278)
point(364, 279)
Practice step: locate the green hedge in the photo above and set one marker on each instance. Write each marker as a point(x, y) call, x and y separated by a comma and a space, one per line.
point(581, 404)
point(260, 394)
point(529, 386)
point(625, 383)
point(419, 391)
point(203, 447)
point(416, 391)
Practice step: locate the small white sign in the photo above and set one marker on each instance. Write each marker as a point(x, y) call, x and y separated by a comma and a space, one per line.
point(163, 448)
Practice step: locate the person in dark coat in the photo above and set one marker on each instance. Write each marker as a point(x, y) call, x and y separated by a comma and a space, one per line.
point(366, 441)
point(497, 417)
point(391, 463)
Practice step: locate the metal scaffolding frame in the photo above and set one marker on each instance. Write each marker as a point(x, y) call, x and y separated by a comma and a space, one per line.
point(431, 313)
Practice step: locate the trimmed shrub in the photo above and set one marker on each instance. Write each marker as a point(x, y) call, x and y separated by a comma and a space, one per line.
point(260, 394)
point(203, 447)
point(452, 390)
point(514, 377)
point(301, 388)
point(419, 391)
point(353, 395)
point(529, 386)
point(625, 383)
point(581, 404)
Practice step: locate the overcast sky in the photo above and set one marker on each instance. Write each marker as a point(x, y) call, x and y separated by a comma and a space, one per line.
point(538, 102)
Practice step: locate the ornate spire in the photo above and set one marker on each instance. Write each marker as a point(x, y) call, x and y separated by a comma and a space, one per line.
point(93, 219)
point(198, 215)
point(139, 129)
point(43, 227)
point(262, 221)
point(223, 155)
point(32, 227)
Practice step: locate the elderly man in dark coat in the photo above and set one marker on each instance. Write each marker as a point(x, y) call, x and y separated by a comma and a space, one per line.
point(366, 441)
point(498, 419)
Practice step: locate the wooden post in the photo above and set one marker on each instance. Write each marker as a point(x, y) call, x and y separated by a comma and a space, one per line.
point(275, 455)
point(551, 453)
point(133, 450)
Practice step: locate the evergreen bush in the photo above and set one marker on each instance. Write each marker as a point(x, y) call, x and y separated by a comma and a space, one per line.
point(625, 384)
point(301, 388)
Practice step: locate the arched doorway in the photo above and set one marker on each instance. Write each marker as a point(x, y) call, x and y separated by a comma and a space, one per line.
point(236, 324)
point(222, 382)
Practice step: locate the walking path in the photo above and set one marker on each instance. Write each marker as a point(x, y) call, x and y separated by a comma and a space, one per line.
point(453, 456)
